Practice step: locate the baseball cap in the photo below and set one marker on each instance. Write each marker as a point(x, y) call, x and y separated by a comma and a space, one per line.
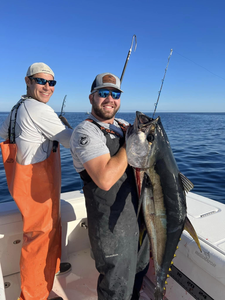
point(39, 68)
point(105, 80)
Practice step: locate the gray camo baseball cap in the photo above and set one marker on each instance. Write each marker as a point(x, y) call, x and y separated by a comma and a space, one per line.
point(105, 80)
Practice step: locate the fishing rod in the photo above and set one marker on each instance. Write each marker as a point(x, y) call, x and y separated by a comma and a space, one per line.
point(63, 104)
point(128, 55)
point(62, 118)
point(121, 78)
point(64, 121)
point(171, 51)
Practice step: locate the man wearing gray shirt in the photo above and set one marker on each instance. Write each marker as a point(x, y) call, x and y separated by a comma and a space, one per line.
point(99, 156)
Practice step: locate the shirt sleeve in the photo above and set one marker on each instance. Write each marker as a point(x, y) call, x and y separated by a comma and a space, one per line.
point(87, 142)
point(49, 124)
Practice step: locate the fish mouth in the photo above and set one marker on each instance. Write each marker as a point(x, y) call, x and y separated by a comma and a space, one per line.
point(142, 120)
point(139, 141)
point(141, 124)
point(145, 125)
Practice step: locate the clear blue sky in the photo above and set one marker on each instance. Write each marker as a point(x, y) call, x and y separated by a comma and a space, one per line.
point(80, 39)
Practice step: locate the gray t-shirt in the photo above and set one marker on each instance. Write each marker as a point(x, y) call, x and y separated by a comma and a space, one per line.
point(88, 141)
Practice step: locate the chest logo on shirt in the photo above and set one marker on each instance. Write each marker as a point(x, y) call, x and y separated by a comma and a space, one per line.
point(84, 140)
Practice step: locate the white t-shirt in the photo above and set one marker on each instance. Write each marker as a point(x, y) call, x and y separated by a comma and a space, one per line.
point(37, 126)
point(88, 141)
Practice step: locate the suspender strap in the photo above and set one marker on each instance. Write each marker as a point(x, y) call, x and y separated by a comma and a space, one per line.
point(105, 130)
point(12, 123)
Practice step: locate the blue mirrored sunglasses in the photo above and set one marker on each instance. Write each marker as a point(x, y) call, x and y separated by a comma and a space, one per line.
point(43, 81)
point(105, 93)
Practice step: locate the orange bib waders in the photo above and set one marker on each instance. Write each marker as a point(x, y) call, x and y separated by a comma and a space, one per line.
point(36, 191)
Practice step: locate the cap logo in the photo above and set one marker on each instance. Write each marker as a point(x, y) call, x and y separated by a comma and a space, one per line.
point(109, 79)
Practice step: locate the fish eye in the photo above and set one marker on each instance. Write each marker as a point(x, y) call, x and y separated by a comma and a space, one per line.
point(150, 138)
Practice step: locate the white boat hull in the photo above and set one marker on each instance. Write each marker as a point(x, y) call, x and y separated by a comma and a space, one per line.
point(196, 275)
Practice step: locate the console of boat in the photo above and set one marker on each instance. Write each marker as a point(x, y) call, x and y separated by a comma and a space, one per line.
point(194, 274)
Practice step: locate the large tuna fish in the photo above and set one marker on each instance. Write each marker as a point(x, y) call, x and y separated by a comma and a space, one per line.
point(162, 192)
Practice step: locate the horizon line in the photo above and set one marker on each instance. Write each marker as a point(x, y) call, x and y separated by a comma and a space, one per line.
point(146, 111)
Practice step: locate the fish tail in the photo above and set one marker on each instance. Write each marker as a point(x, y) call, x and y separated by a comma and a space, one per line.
point(190, 229)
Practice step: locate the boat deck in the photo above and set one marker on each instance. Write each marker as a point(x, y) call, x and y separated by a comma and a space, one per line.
point(79, 283)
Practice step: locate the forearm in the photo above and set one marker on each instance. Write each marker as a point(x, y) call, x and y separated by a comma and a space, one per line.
point(63, 137)
point(105, 171)
point(114, 169)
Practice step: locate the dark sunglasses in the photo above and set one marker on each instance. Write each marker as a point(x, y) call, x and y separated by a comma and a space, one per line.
point(105, 93)
point(43, 81)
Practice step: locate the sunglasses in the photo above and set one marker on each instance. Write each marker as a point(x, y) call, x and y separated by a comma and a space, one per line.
point(42, 81)
point(105, 93)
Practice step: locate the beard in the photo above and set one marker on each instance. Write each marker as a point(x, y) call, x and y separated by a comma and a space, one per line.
point(104, 115)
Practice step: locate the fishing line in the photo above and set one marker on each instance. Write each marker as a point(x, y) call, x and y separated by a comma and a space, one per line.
point(199, 65)
point(171, 51)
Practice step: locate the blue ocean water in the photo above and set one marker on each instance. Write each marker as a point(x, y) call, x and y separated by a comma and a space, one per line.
point(197, 141)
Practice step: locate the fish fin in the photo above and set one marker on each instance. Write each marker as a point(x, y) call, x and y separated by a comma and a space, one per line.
point(190, 229)
point(145, 184)
point(141, 235)
point(187, 184)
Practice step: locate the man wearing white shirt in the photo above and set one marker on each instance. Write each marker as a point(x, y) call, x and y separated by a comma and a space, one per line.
point(33, 173)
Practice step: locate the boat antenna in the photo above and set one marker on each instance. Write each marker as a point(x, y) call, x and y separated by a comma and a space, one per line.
point(171, 51)
point(63, 105)
point(128, 55)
